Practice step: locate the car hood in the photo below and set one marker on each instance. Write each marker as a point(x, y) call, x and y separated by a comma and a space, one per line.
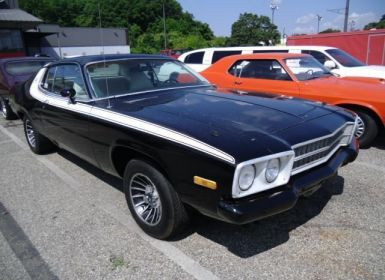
point(374, 71)
point(348, 85)
point(230, 122)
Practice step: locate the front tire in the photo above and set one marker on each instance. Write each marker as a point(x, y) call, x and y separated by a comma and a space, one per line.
point(153, 202)
point(367, 128)
point(38, 143)
point(6, 110)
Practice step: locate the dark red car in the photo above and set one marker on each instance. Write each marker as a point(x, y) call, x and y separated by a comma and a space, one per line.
point(15, 70)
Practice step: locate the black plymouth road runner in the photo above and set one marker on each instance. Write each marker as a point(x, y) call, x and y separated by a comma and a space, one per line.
point(177, 142)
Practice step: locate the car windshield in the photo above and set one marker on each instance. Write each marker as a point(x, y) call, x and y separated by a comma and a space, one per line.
point(117, 77)
point(306, 68)
point(344, 58)
point(24, 67)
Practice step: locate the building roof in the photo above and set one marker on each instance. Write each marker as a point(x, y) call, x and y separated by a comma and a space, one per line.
point(85, 36)
point(110, 57)
point(17, 15)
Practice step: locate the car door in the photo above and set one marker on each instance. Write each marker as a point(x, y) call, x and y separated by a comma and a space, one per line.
point(263, 75)
point(66, 122)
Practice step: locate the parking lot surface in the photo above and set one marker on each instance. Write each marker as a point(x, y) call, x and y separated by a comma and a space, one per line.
point(61, 218)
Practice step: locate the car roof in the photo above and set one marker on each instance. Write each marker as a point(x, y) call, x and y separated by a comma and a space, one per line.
point(250, 48)
point(272, 55)
point(82, 60)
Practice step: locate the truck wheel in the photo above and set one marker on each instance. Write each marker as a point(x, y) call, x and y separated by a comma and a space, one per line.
point(38, 143)
point(367, 129)
point(6, 110)
point(152, 200)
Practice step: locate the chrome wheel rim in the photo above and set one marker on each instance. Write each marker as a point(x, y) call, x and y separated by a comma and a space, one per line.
point(30, 132)
point(360, 130)
point(3, 108)
point(145, 199)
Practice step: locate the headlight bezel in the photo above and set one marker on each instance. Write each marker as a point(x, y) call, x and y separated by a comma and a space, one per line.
point(259, 183)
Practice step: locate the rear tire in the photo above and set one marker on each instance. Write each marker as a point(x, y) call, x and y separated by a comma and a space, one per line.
point(153, 202)
point(38, 143)
point(6, 110)
point(367, 128)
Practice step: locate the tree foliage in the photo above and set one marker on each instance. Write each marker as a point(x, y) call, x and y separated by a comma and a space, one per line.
point(142, 18)
point(251, 29)
point(380, 24)
point(144, 22)
point(330, 30)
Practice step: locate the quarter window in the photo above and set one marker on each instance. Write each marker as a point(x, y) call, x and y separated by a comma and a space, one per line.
point(65, 77)
point(217, 55)
point(259, 69)
point(194, 58)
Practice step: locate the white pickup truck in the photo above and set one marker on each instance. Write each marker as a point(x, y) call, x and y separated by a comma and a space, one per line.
point(338, 61)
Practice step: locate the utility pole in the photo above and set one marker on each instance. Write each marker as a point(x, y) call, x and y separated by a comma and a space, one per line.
point(273, 7)
point(319, 18)
point(343, 11)
point(164, 27)
point(346, 16)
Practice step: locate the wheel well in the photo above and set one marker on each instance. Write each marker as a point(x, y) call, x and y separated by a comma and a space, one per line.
point(354, 107)
point(20, 115)
point(122, 155)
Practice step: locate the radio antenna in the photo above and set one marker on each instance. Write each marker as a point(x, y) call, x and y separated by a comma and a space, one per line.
point(104, 56)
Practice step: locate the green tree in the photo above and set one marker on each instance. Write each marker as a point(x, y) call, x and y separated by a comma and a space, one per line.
point(219, 42)
point(251, 29)
point(380, 24)
point(330, 30)
point(143, 18)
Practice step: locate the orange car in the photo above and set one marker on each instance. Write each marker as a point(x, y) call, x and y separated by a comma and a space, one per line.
point(302, 76)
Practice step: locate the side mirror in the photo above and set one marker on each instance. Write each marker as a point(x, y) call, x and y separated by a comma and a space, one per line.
point(70, 93)
point(330, 64)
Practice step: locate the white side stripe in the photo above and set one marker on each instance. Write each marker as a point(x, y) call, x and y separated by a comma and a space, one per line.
point(127, 121)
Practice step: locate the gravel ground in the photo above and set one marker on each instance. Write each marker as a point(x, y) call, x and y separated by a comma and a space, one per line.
point(61, 218)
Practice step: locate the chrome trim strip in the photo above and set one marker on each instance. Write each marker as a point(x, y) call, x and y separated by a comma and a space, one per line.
point(319, 150)
point(322, 137)
point(329, 155)
point(315, 163)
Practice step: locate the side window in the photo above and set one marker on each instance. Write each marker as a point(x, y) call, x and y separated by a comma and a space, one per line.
point(259, 69)
point(317, 55)
point(217, 55)
point(194, 58)
point(65, 77)
point(237, 67)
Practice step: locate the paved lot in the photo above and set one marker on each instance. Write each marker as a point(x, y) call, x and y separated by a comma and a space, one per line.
point(61, 218)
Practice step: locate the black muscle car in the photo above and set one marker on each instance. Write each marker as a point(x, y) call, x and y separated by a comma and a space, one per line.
point(176, 141)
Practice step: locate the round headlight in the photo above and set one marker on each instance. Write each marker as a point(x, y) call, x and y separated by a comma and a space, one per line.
point(272, 170)
point(246, 177)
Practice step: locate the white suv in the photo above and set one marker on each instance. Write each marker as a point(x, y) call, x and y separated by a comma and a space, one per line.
point(338, 61)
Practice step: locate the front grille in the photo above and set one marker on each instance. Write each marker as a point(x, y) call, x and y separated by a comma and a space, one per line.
point(318, 151)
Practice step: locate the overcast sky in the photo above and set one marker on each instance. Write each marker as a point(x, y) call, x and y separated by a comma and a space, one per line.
point(295, 16)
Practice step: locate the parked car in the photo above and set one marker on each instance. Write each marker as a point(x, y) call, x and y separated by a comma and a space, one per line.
point(302, 76)
point(176, 141)
point(337, 60)
point(16, 70)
